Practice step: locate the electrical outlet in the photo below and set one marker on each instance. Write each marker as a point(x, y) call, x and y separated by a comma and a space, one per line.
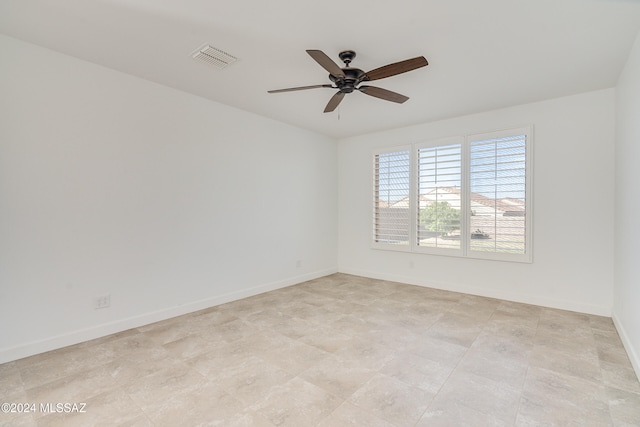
point(102, 301)
point(298, 263)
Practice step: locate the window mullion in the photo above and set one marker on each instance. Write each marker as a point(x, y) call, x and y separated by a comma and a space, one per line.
point(465, 203)
point(414, 203)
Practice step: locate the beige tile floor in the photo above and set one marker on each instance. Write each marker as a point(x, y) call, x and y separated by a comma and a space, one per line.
point(341, 351)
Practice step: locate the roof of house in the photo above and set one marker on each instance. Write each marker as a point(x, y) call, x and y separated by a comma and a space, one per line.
point(507, 204)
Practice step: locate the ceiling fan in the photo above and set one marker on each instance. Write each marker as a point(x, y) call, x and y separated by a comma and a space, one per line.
point(348, 79)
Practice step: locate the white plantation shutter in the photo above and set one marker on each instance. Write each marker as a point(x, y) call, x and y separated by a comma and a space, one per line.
point(439, 196)
point(391, 197)
point(498, 194)
point(467, 196)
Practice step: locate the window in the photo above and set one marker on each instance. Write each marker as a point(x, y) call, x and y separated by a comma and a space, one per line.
point(391, 209)
point(463, 196)
point(439, 196)
point(497, 189)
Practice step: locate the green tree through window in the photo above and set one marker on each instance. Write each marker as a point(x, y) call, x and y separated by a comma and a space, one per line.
point(440, 217)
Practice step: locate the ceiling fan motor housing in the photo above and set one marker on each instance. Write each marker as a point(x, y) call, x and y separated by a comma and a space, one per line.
point(352, 77)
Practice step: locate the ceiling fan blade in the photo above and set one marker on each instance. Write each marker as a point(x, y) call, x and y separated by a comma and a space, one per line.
point(334, 102)
point(326, 62)
point(395, 68)
point(385, 94)
point(291, 89)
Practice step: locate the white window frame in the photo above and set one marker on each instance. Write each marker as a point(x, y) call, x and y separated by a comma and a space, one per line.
point(465, 250)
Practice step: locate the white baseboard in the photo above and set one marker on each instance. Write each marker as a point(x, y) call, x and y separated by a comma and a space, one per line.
point(86, 334)
point(632, 352)
point(508, 296)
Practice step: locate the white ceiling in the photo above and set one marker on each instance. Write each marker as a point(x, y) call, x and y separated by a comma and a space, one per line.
point(482, 54)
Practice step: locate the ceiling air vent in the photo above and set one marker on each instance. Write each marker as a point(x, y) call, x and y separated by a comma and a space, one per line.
point(212, 56)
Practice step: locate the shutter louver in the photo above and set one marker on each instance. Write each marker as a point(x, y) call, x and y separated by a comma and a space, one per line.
point(439, 196)
point(391, 199)
point(498, 195)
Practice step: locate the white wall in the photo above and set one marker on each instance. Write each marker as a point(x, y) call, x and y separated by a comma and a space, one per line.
point(626, 309)
point(166, 201)
point(171, 203)
point(573, 195)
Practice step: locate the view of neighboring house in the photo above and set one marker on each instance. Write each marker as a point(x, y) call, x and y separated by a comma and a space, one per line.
point(493, 222)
